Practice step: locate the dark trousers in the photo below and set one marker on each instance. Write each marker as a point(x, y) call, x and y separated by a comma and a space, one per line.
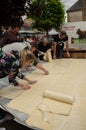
point(59, 52)
point(41, 57)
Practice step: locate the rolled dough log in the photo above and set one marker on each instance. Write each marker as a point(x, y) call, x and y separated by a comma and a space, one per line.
point(58, 96)
point(48, 56)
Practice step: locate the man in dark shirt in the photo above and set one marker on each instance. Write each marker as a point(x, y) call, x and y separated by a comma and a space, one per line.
point(43, 47)
point(12, 35)
point(59, 41)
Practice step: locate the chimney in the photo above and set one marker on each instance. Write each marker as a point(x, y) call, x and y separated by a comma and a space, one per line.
point(84, 10)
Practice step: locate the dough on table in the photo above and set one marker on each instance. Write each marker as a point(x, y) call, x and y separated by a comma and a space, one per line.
point(58, 96)
point(11, 92)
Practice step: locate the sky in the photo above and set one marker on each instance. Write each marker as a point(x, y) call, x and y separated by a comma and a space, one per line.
point(68, 3)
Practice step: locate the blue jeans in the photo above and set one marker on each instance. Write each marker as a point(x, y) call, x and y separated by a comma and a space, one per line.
point(59, 52)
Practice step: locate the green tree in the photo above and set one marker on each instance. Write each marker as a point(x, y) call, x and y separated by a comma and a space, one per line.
point(47, 14)
point(12, 10)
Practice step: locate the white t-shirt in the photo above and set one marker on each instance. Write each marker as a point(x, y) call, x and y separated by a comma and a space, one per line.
point(17, 46)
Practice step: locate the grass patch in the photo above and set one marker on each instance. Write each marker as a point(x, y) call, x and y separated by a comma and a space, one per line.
point(77, 41)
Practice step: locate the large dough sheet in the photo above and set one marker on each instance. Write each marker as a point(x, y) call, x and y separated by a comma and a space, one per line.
point(12, 92)
point(36, 74)
point(30, 99)
point(67, 76)
point(46, 121)
point(37, 120)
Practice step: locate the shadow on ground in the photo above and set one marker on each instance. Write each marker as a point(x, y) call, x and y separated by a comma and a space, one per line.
point(13, 125)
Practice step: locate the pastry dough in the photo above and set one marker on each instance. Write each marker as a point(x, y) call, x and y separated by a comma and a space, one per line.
point(48, 56)
point(11, 92)
point(65, 76)
point(36, 120)
point(58, 96)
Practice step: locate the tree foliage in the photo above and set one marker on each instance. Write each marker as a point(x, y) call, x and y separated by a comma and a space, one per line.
point(11, 11)
point(47, 14)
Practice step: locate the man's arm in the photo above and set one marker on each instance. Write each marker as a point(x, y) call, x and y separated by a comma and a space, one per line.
point(54, 50)
point(67, 49)
point(39, 66)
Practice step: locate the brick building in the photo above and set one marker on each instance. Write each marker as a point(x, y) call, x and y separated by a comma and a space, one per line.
point(84, 10)
point(77, 12)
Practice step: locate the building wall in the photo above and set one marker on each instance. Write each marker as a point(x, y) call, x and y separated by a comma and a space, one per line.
point(72, 27)
point(84, 10)
point(74, 16)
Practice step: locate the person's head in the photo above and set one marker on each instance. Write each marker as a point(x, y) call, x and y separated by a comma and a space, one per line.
point(63, 34)
point(45, 41)
point(15, 28)
point(33, 47)
point(16, 24)
point(29, 37)
point(26, 57)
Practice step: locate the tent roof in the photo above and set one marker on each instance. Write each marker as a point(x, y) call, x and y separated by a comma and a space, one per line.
point(52, 32)
point(28, 22)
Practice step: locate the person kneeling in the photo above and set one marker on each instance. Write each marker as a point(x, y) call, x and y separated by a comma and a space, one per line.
point(9, 66)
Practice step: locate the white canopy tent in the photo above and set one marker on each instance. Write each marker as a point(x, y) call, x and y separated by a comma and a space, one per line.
point(52, 32)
